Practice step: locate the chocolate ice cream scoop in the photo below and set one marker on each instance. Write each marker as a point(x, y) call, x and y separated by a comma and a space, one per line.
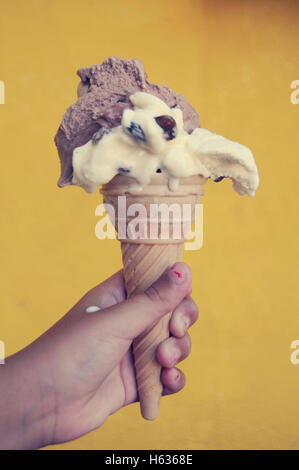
point(103, 95)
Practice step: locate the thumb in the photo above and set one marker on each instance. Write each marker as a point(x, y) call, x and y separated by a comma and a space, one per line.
point(131, 317)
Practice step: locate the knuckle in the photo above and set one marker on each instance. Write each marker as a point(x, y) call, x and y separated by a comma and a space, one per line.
point(187, 341)
point(192, 307)
point(159, 353)
point(108, 299)
point(157, 298)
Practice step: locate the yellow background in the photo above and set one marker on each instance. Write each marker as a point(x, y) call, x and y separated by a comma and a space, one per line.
point(234, 61)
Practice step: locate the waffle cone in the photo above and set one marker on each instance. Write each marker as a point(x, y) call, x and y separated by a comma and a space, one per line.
point(144, 260)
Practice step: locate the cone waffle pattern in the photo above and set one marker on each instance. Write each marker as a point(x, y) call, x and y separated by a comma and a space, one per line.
point(143, 264)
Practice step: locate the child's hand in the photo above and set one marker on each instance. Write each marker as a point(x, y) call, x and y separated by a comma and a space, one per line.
point(81, 370)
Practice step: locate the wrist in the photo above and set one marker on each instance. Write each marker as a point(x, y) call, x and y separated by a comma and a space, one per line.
point(25, 419)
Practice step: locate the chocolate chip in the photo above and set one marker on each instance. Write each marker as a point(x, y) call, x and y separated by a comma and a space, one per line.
point(220, 178)
point(84, 73)
point(159, 170)
point(136, 131)
point(123, 170)
point(168, 125)
point(97, 136)
point(122, 99)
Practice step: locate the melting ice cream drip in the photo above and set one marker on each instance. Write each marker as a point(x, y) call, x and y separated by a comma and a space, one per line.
point(151, 137)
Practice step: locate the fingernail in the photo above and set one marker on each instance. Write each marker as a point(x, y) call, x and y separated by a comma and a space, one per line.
point(177, 376)
point(186, 321)
point(176, 275)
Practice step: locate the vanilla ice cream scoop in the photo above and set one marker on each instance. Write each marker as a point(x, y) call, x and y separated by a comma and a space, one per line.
point(151, 138)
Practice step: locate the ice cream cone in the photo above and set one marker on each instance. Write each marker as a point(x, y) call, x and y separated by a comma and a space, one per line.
point(145, 258)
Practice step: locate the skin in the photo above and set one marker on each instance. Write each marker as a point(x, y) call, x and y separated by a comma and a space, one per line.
point(80, 371)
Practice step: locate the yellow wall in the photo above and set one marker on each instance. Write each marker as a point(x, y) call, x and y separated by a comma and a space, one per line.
point(234, 61)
